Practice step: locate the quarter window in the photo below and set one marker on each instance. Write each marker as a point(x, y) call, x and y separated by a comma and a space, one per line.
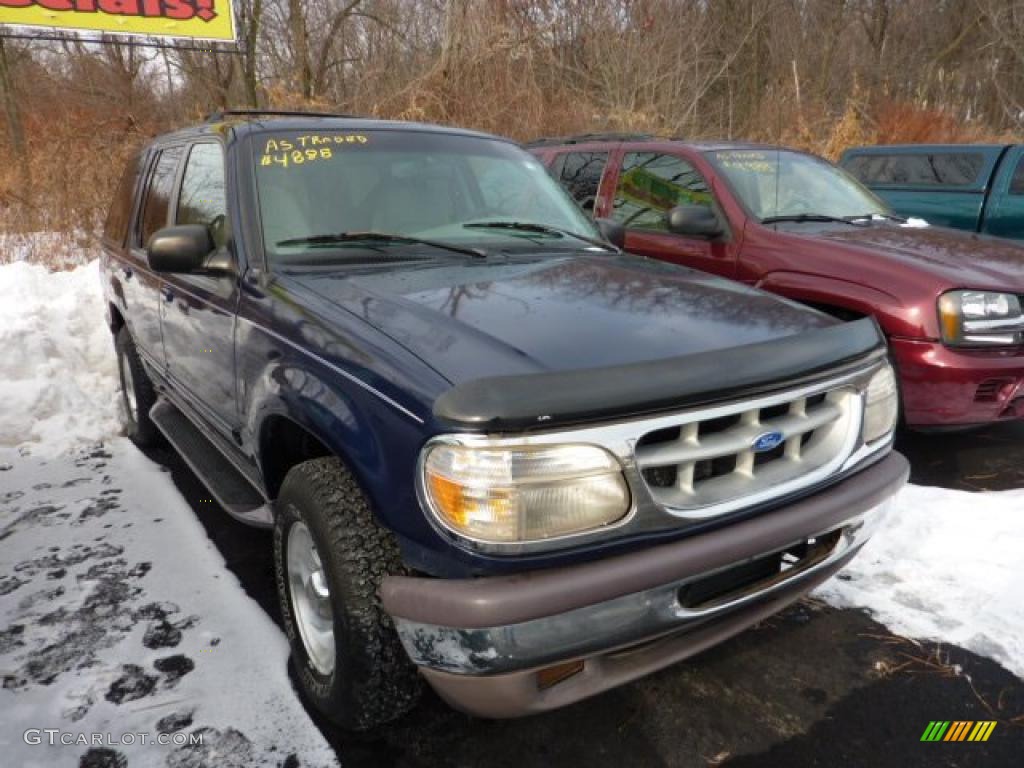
point(581, 174)
point(161, 184)
point(651, 184)
point(202, 199)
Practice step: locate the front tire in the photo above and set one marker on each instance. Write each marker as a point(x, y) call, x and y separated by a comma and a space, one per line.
point(137, 394)
point(330, 556)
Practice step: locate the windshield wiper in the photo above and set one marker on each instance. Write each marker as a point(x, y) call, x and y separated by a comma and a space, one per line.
point(851, 220)
point(529, 226)
point(379, 237)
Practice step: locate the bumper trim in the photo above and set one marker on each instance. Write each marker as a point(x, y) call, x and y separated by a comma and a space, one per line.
point(503, 600)
point(624, 621)
point(516, 694)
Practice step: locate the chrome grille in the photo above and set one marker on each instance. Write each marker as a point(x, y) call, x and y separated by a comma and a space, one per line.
point(708, 459)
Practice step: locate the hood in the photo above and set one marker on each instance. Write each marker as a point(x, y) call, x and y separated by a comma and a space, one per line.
point(958, 259)
point(471, 319)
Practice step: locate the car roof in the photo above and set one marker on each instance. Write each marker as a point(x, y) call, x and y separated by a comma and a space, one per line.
point(240, 124)
point(920, 148)
point(650, 142)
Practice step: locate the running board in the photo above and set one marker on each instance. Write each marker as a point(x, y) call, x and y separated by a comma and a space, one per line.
point(226, 484)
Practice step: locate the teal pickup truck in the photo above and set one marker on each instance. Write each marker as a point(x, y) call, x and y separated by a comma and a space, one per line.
point(977, 187)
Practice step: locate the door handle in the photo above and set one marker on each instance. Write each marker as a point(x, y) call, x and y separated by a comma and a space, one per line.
point(168, 295)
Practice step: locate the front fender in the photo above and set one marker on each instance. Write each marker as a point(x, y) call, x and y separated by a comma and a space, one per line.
point(893, 315)
point(378, 443)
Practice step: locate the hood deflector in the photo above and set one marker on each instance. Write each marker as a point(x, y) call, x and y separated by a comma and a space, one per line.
point(544, 400)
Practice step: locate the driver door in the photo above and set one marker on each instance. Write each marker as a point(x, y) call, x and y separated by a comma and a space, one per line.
point(198, 311)
point(648, 186)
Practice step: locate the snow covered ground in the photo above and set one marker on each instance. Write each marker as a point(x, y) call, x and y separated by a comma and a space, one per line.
point(58, 375)
point(117, 615)
point(947, 566)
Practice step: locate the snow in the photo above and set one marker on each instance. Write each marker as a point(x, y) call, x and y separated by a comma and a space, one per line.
point(58, 375)
point(117, 612)
point(947, 566)
point(911, 223)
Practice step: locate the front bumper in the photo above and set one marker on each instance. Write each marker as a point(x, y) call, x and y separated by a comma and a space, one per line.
point(481, 642)
point(941, 386)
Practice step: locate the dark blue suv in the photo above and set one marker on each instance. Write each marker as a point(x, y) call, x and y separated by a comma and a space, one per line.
point(497, 452)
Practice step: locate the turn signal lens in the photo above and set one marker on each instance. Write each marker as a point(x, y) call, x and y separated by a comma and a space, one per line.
point(523, 493)
point(881, 407)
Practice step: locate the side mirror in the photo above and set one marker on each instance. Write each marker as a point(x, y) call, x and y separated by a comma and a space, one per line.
point(693, 220)
point(184, 248)
point(612, 231)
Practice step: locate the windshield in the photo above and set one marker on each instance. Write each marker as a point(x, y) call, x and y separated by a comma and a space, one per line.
point(422, 185)
point(778, 183)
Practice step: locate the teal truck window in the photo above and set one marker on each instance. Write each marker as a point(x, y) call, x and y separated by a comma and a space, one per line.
point(924, 169)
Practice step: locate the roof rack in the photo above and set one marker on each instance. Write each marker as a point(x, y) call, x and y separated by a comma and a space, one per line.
point(219, 115)
point(583, 138)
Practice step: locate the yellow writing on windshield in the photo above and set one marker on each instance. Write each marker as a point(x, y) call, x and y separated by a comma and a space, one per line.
point(296, 157)
point(746, 160)
point(312, 141)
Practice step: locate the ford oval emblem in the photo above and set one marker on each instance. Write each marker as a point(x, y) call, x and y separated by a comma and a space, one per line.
point(768, 441)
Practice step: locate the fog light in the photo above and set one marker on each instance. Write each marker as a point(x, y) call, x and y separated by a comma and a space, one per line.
point(523, 493)
point(881, 405)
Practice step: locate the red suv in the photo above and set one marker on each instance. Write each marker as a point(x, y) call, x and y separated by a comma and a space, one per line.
point(950, 302)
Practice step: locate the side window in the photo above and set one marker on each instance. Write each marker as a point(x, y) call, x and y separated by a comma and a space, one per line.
point(120, 213)
point(158, 196)
point(202, 199)
point(652, 184)
point(934, 169)
point(581, 175)
point(1017, 182)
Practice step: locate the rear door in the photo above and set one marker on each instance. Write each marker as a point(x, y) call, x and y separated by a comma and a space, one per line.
point(1004, 213)
point(199, 310)
point(650, 183)
point(141, 284)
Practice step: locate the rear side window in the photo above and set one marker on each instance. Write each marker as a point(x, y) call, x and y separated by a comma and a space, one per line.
point(202, 199)
point(120, 213)
point(951, 169)
point(1017, 182)
point(652, 184)
point(580, 173)
point(158, 195)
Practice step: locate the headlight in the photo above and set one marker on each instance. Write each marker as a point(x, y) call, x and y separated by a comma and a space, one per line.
point(881, 407)
point(980, 318)
point(523, 493)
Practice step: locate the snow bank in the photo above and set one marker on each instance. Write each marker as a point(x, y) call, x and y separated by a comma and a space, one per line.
point(58, 373)
point(118, 616)
point(947, 566)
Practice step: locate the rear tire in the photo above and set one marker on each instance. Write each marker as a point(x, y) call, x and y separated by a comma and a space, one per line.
point(137, 394)
point(330, 557)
